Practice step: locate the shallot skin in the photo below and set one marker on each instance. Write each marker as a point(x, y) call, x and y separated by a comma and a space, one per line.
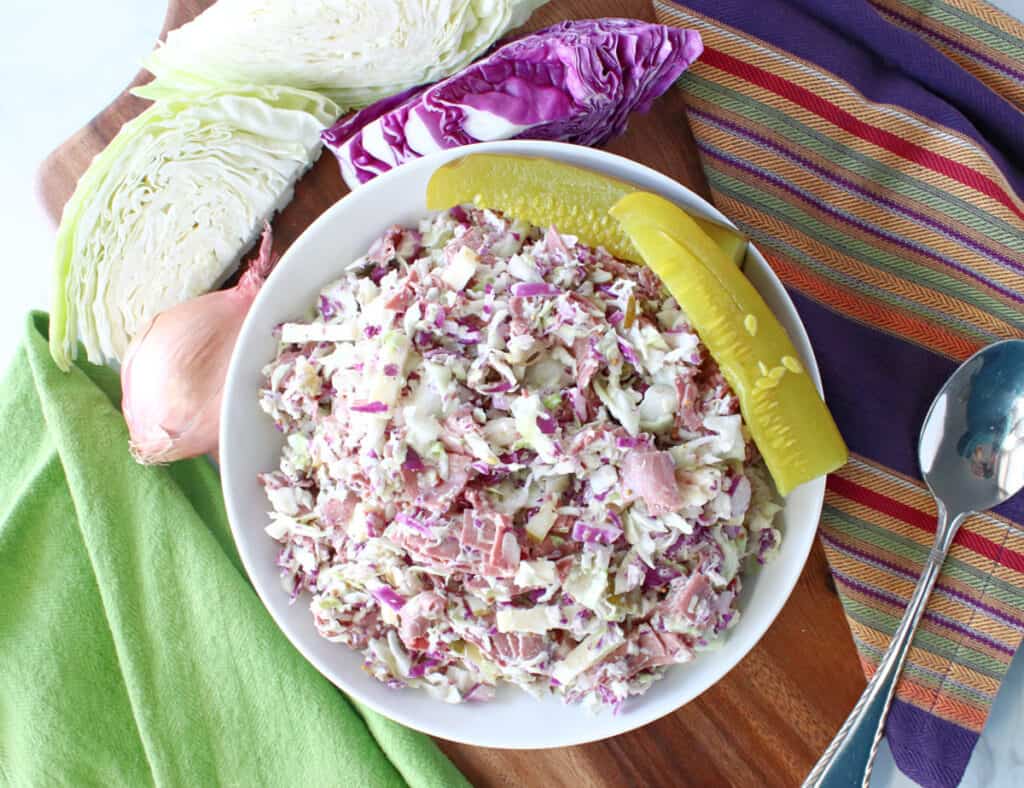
point(173, 375)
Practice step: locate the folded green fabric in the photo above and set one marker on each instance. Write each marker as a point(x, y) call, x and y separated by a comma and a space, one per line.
point(133, 649)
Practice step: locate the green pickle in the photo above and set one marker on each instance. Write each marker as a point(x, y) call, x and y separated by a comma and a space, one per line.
point(787, 418)
point(545, 192)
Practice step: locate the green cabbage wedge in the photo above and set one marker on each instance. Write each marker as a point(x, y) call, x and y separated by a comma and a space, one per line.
point(353, 51)
point(166, 211)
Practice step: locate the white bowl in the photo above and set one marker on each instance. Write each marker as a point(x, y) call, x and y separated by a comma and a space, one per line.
point(249, 444)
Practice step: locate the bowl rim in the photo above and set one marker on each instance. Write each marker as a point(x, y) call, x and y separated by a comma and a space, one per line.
point(557, 151)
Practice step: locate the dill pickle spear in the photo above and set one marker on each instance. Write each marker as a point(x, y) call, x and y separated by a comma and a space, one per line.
point(545, 192)
point(787, 418)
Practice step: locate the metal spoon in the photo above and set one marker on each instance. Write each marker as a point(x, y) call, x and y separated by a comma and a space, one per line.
point(971, 452)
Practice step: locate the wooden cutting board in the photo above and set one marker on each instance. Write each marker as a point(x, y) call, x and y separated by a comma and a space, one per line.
point(767, 721)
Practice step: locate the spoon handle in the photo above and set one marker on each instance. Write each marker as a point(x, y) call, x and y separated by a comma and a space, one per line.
point(849, 757)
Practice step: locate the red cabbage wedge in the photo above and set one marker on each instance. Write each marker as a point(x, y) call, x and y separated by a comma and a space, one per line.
point(576, 81)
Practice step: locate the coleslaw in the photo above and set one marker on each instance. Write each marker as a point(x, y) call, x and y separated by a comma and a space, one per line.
point(509, 458)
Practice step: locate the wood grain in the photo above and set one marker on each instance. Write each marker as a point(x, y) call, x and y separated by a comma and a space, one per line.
point(767, 721)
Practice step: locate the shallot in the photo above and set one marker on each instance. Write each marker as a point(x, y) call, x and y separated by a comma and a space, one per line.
point(175, 368)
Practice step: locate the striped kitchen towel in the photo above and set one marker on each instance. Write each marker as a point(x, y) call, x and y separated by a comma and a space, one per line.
point(874, 152)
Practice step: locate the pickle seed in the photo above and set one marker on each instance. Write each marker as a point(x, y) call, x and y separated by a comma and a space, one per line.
point(792, 364)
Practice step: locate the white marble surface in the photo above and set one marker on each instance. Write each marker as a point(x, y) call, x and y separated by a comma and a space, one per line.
point(62, 60)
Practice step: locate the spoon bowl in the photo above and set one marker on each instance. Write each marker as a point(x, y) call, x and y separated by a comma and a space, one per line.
point(972, 442)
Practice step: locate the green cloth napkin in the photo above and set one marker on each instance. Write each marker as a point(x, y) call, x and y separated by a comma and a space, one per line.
point(133, 649)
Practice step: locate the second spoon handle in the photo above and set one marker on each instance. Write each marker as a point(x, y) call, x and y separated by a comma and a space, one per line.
point(848, 759)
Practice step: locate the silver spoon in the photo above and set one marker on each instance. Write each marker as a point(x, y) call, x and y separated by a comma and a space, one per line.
point(971, 452)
